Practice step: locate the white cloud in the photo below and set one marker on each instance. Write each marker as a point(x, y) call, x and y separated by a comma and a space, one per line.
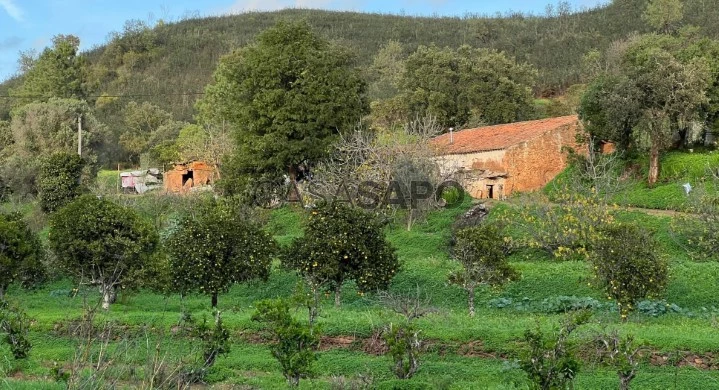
point(13, 10)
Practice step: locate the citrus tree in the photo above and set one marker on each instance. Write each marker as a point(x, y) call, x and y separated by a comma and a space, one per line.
point(100, 243)
point(480, 250)
point(21, 253)
point(216, 247)
point(628, 267)
point(343, 243)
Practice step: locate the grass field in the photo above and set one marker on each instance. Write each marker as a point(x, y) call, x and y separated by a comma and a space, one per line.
point(462, 352)
point(677, 168)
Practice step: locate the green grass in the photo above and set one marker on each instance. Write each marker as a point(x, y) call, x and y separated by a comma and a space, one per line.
point(677, 168)
point(423, 252)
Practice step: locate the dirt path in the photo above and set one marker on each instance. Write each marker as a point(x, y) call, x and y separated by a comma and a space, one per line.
point(653, 212)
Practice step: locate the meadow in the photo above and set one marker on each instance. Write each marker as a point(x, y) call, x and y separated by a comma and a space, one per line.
point(680, 332)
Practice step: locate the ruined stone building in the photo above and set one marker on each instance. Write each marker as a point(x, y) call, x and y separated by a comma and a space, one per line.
point(495, 161)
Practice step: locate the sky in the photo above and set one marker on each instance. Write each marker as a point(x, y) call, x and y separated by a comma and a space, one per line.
point(31, 24)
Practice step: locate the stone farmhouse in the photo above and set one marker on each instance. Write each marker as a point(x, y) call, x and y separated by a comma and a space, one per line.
point(495, 161)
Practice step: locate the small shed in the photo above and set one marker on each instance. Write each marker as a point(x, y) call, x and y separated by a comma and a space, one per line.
point(186, 176)
point(141, 181)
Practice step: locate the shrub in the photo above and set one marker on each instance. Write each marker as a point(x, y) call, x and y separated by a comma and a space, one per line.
point(621, 354)
point(567, 230)
point(15, 324)
point(296, 344)
point(628, 267)
point(480, 250)
point(403, 347)
point(550, 361)
point(343, 243)
point(59, 180)
point(215, 340)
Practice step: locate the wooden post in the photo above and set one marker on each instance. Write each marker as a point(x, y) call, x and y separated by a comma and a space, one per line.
point(79, 135)
point(119, 178)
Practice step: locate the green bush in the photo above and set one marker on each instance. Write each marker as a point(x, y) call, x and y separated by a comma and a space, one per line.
point(15, 324)
point(21, 254)
point(550, 360)
point(296, 343)
point(216, 247)
point(58, 180)
point(481, 252)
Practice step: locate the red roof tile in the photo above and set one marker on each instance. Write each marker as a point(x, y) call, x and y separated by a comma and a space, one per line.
point(498, 137)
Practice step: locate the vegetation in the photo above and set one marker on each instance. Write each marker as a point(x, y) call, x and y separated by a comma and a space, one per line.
point(481, 251)
point(284, 114)
point(341, 244)
point(216, 247)
point(15, 324)
point(21, 256)
point(59, 180)
point(100, 243)
point(163, 254)
point(551, 362)
point(295, 341)
point(628, 267)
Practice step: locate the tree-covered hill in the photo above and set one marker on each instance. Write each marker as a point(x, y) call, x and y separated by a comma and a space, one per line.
point(169, 62)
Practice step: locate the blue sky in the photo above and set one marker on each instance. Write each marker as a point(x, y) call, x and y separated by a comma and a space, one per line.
point(31, 24)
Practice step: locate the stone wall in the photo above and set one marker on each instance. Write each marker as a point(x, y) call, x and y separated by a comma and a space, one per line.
point(534, 163)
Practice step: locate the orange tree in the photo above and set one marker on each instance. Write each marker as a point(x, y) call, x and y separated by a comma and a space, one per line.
point(101, 243)
point(567, 229)
point(216, 247)
point(481, 251)
point(342, 243)
point(628, 267)
point(21, 253)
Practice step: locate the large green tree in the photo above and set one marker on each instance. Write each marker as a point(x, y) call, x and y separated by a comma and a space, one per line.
point(467, 86)
point(217, 247)
point(59, 71)
point(101, 243)
point(287, 96)
point(669, 93)
point(40, 129)
point(655, 91)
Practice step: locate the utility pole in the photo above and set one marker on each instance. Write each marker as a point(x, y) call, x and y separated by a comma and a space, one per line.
point(79, 135)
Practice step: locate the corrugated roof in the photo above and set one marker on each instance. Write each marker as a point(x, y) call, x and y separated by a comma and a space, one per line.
point(498, 137)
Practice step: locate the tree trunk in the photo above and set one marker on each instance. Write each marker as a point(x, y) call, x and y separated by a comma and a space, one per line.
point(294, 381)
point(653, 165)
point(624, 381)
point(214, 300)
point(314, 308)
point(409, 219)
point(338, 294)
point(108, 295)
point(470, 300)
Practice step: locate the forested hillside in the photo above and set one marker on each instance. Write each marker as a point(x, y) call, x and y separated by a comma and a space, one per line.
point(172, 60)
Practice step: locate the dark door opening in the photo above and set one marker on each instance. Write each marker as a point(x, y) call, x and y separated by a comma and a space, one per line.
point(490, 191)
point(187, 176)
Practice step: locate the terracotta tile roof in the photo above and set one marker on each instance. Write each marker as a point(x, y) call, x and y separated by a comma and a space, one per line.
point(497, 137)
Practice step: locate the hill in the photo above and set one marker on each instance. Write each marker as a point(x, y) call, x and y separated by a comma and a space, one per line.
point(170, 62)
